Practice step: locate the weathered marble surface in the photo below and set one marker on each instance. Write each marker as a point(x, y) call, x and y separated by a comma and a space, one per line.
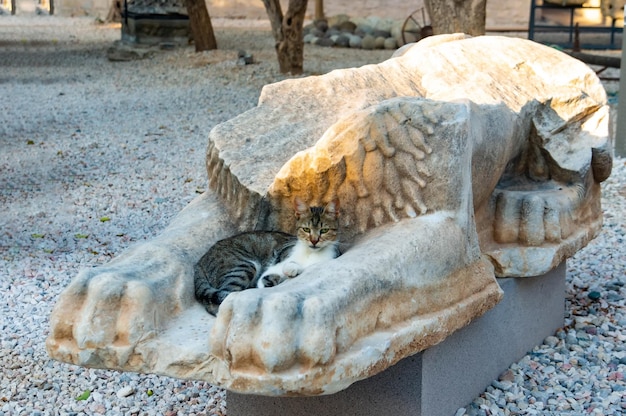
point(455, 161)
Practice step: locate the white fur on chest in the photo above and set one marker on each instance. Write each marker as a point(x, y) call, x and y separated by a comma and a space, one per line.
point(301, 256)
point(306, 256)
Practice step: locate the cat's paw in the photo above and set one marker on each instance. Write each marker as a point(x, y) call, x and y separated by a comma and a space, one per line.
point(291, 269)
point(271, 280)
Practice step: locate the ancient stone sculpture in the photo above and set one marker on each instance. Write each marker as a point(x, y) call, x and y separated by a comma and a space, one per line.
point(456, 161)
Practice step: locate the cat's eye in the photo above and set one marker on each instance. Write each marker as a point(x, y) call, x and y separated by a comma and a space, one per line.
point(306, 229)
point(324, 230)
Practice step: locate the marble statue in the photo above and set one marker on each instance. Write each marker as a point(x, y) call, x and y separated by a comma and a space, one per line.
point(456, 161)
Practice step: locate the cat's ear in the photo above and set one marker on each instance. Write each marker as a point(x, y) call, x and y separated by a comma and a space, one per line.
point(300, 207)
point(332, 208)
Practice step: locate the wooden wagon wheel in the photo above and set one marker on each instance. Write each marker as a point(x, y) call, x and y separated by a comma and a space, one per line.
point(417, 25)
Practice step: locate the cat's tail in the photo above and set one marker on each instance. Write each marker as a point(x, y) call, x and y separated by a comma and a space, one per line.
point(207, 295)
point(237, 279)
point(210, 299)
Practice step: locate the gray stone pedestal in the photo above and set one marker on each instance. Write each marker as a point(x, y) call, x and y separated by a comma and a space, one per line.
point(447, 376)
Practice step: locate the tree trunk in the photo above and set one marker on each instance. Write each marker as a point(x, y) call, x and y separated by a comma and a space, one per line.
point(201, 27)
point(457, 16)
point(287, 31)
point(319, 9)
point(115, 12)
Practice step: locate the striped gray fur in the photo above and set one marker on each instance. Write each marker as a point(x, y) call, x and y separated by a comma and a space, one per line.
point(246, 260)
point(236, 263)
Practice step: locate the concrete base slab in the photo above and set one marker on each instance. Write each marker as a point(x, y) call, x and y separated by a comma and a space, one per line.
point(447, 376)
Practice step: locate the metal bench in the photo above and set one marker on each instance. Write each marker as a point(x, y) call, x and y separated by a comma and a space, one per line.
point(568, 9)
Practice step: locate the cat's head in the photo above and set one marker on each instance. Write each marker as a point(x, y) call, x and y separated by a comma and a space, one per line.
point(317, 226)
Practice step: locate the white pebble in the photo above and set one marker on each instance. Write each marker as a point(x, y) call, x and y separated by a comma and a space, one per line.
point(125, 392)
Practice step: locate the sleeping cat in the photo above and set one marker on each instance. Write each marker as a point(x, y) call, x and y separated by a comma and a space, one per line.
point(266, 258)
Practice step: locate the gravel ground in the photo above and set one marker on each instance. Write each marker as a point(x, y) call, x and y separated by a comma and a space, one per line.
point(97, 155)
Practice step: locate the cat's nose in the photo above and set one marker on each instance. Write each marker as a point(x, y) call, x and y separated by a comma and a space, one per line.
point(314, 241)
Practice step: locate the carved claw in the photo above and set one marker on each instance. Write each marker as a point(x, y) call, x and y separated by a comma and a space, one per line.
point(117, 306)
point(532, 218)
point(305, 322)
point(291, 330)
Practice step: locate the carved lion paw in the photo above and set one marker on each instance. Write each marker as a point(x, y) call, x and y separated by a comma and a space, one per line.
point(272, 330)
point(534, 216)
point(121, 303)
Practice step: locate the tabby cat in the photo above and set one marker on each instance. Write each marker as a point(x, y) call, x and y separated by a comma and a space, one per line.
point(266, 258)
